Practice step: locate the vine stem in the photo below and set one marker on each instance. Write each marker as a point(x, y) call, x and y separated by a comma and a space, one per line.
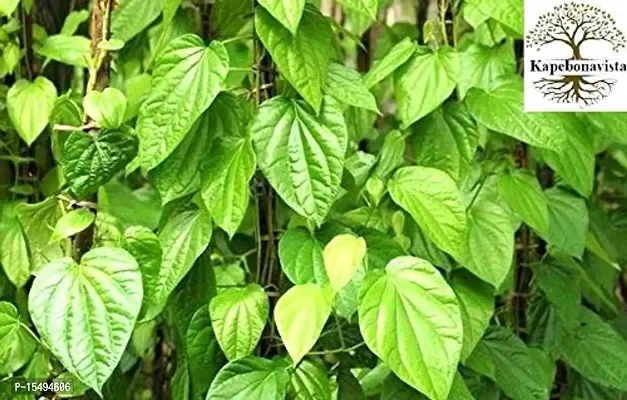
point(335, 351)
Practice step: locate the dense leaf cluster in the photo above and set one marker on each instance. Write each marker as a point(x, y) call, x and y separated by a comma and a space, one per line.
point(281, 199)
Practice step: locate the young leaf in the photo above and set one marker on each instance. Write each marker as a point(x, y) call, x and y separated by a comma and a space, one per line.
point(410, 318)
point(7, 7)
point(91, 160)
point(29, 105)
point(107, 108)
point(426, 72)
point(225, 190)
point(301, 257)
point(71, 223)
point(300, 315)
point(38, 221)
point(523, 193)
point(70, 50)
point(86, 312)
point(251, 378)
point(434, 202)
point(301, 155)
point(501, 109)
point(302, 58)
point(73, 21)
point(287, 12)
point(242, 310)
point(184, 237)
point(17, 343)
point(347, 87)
point(342, 257)
point(187, 78)
point(397, 56)
point(489, 241)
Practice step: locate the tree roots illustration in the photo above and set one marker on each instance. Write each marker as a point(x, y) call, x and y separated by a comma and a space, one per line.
point(575, 89)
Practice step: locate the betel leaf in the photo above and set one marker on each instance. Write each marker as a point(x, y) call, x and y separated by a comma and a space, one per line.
point(489, 241)
point(390, 155)
point(301, 155)
point(575, 161)
point(73, 21)
point(516, 371)
point(302, 58)
point(560, 283)
point(482, 65)
point(433, 200)
point(523, 193)
point(29, 105)
point(7, 7)
point(181, 172)
point(425, 72)
point(183, 238)
point(91, 159)
point(71, 223)
point(238, 316)
point(348, 386)
point(501, 109)
point(300, 315)
point(287, 12)
point(85, 312)
point(397, 56)
point(347, 87)
point(364, 7)
point(225, 190)
point(301, 257)
point(145, 247)
point(133, 16)
point(107, 108)
point(342, 257)
point(597, 351)
point(251, 378)
point(476, 303)
point(568, 221)
point(409, 317)
point(187, 77)
point(446, 139)
point(70, 50)
point(13, 246)
point(507, 12)
point(204, 357)
point(16, 343)
point(38, 221)
point(310, 381)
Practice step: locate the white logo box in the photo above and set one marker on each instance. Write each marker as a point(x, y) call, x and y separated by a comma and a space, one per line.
point(575, 56)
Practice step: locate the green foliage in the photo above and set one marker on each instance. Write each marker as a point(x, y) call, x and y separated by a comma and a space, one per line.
point(301, 200)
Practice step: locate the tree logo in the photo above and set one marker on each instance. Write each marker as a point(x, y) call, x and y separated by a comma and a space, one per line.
point(580, 43)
